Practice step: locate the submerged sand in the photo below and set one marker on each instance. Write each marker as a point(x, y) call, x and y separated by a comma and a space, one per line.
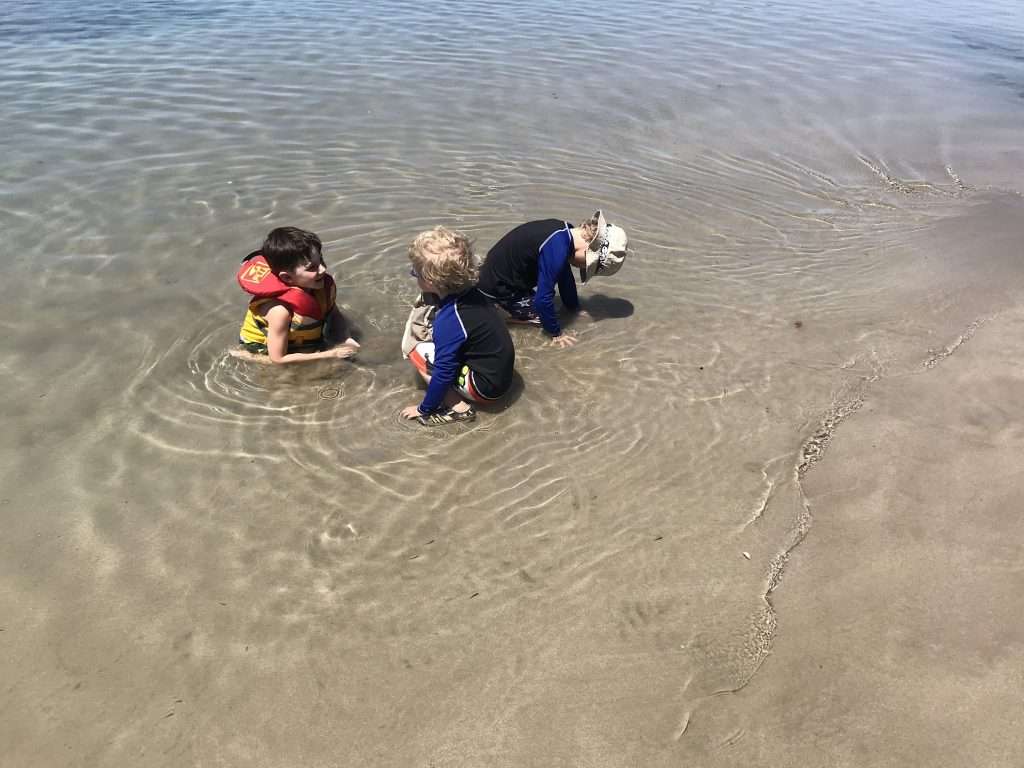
point(895, 637)
point(807, 371)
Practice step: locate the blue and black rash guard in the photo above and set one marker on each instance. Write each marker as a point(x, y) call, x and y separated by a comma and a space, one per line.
point(533, 255)
point(469, 331)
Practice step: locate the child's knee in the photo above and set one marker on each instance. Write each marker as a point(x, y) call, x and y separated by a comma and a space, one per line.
point(422, 358)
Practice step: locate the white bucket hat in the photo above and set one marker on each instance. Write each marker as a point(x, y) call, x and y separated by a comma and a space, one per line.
point(606, 251)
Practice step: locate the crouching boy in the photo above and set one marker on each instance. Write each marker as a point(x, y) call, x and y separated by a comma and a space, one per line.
point(470, 358)
point(292, 316)
point(524, 267)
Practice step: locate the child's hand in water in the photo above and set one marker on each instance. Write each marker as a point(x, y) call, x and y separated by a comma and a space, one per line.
point(410, 412)
point(564, 341)
point(343, 351)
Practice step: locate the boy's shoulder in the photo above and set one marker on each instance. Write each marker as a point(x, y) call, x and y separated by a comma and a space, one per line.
point(446, 320)
point(457, 311)
point(532, 233)
point(472, 297)
point(542, 224)
point(544, 228)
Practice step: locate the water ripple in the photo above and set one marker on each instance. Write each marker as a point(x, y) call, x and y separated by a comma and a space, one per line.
point(789, 177)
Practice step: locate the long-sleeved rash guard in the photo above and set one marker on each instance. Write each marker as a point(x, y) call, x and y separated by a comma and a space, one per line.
point(533, 255)
point(468, 331)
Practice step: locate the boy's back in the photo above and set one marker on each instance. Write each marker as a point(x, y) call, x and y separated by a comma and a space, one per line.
point(511, 266)
point(470, 323)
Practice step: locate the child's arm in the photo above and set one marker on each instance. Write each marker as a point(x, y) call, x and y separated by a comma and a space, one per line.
point(446, 369)
point(553, 269)
point(571, 300)
point(449, 336)
point(567, 289)
point(550, 264)
point(278, 321)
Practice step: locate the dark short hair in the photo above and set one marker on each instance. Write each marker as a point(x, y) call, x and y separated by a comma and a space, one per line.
point(289, 247)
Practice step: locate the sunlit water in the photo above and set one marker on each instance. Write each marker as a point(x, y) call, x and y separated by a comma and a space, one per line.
point(245, 540)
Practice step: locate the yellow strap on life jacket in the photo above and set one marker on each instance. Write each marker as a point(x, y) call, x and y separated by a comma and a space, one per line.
point(302, 332)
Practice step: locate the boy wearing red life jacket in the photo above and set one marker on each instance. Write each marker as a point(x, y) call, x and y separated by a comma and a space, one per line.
point(292, 316)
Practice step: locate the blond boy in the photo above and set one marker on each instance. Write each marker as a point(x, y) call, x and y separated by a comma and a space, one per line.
point(471, 357)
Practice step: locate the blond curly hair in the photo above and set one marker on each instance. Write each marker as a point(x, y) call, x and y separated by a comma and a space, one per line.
point(588, 229)
point(445, 258)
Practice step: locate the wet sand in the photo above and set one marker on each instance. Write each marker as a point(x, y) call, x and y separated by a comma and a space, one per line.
point(213, 563)
point(895, 639)
point(900, 640)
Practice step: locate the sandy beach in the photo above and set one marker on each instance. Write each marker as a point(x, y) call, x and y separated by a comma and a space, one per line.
point(900, 641)
point(894, 637)
point(764, 513)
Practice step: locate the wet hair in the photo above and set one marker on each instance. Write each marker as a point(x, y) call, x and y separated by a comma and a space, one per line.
point(289, 247)
point(445, 258)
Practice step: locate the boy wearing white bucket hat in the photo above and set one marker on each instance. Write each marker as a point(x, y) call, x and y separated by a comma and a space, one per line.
point(525, 266)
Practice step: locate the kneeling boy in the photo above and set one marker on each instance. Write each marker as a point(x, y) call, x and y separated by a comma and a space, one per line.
point(471, 357)
point(292, 315)
point(523, 268)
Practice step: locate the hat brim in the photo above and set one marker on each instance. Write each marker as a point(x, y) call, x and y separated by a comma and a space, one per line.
point(594, 247)
point(589, 269)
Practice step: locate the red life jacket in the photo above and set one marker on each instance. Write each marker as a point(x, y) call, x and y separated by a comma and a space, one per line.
point(257, 280)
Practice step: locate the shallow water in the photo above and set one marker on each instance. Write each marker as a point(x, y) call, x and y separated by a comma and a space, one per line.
point(280, 562)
